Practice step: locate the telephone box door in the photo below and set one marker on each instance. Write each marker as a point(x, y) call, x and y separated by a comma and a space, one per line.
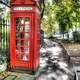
point(22, 40)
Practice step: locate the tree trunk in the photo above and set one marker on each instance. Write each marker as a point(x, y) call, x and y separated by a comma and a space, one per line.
point(42, 3)
point(63, 35)
point(67, 35)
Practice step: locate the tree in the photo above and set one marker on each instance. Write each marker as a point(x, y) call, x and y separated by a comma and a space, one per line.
point(49, 19)
point(59, 12)
point(66, 13)
point(76, 13)
point(42, 7)
point(5, 2)
point(63, 15)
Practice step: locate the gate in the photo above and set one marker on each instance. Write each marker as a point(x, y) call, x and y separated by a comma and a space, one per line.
point(4, 40)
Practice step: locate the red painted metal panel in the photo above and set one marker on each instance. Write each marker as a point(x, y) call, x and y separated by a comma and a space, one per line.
point(24, 35)
point(37, 40)
point(22, 2)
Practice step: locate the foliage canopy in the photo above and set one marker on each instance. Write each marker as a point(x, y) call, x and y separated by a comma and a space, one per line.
point(61, 15)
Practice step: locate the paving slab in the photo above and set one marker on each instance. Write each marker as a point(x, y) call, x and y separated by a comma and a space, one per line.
point(16, 76)
point(25, 78)
point(3, 75)
point(10, 77)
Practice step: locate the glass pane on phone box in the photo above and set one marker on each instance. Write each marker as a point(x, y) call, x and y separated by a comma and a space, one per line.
point(17, 20)
point(22, 49)
point(22, 42)
point(17, 55)
point(17, 49)
point(26, 50)
point(18, 43)
point(17, 27)
point(26, 53)
point(27, 28)
point(17, 35)
point(21, 29)
point(27, 20)
point(27, 43)
point(21, 35)
point(26, 35)
point(24, 57)
point(22, 20)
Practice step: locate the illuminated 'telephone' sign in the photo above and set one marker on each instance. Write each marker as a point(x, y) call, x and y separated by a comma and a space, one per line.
point(22, 8)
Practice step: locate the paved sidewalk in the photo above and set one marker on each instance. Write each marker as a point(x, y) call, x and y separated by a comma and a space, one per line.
point(16, 76)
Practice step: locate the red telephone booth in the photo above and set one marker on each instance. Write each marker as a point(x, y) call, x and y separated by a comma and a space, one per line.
point(24, 35)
